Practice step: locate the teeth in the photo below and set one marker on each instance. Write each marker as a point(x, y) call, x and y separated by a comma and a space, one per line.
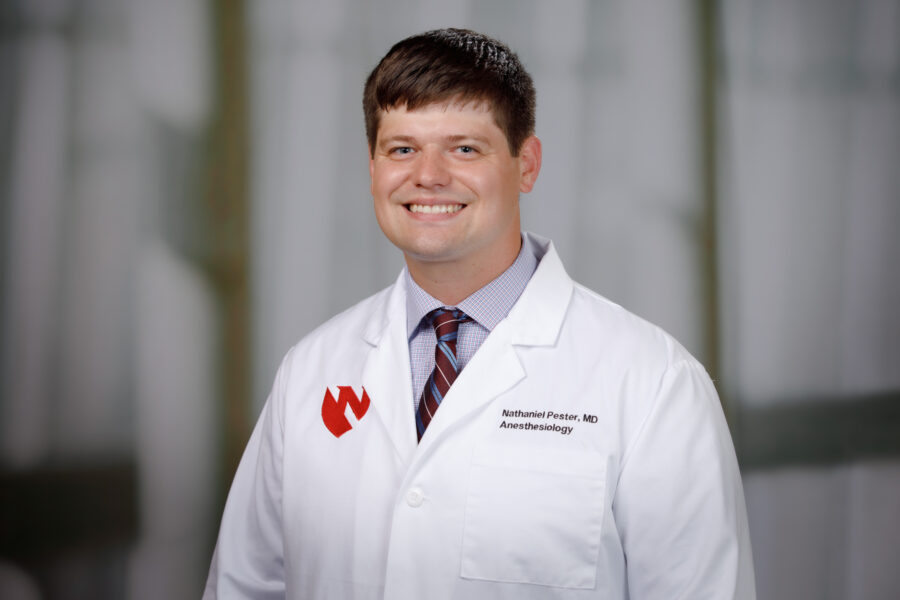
point(433, 209)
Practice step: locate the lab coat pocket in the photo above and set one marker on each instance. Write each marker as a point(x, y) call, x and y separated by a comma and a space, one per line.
point(534, 515)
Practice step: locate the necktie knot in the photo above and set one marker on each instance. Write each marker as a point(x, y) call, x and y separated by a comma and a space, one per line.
point(446, 321)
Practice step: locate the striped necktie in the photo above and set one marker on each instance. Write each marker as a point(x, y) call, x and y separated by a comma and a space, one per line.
point(446, 368)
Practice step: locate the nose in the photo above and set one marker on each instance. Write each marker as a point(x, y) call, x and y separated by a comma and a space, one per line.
point(430, 169)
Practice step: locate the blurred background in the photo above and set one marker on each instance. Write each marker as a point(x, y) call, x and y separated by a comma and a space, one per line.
point(184, 194)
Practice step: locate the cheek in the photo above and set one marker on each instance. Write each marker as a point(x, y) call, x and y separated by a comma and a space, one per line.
point(384, 216)
point(477, 180)
point(384, 182)
point(494, 187)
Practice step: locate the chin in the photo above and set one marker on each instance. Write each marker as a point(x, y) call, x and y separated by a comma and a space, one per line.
point(430, 251)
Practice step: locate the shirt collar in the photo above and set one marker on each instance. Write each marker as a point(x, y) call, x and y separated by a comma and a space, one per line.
point(489, 305)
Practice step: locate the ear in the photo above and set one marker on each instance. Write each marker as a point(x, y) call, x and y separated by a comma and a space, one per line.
point(529, 163)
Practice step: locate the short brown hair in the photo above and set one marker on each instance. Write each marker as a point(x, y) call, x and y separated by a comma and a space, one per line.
point(449, 65)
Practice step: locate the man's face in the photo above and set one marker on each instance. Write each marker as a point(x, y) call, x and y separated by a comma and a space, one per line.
point(446, 188)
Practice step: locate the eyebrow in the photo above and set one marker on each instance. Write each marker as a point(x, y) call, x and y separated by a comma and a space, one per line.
point(461, 138)
point(395, 138)
point(450, 138)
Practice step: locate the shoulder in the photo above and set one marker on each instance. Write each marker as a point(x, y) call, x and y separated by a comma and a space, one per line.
point(357, 320)
point(344, 334)
point(594, 328)
point(626, 338)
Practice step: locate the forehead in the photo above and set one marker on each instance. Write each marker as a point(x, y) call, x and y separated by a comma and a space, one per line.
point(477, 115)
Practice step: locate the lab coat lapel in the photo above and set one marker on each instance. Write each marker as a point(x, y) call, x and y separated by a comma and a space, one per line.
point(535, 320)
point(386, 374)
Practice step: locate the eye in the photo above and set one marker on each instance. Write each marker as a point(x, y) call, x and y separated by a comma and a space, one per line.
point(400, 150)
point(466, 150)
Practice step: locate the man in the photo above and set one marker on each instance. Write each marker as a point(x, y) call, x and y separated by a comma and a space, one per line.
point(513, 434)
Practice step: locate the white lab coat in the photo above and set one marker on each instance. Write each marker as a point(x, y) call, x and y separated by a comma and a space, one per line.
point(582, 453)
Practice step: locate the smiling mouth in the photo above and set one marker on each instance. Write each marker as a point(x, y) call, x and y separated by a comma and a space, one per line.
point(434, 209)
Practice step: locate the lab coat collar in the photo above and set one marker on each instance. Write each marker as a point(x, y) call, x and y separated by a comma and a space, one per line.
point(539, 311)
point(537, 317)
point(390, 305)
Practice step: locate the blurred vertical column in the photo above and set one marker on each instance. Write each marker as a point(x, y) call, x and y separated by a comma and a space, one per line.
point(183, 293)
point(810, 141)
point(37, 67)
point(809, 151)
point(225, 226)
point(560, 34)
point(297, 143)
point(69, 235)
point(109, 322)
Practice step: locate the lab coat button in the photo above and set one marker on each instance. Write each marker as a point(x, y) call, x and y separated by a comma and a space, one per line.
point(415, 497)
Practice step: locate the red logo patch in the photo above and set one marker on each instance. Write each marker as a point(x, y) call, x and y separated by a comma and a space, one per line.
point(333, 411)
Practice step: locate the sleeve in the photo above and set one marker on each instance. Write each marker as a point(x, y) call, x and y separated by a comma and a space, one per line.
point(679, 503)
point(248, 561)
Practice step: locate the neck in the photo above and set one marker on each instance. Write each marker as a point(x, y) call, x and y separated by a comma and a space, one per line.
point(453, 282)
